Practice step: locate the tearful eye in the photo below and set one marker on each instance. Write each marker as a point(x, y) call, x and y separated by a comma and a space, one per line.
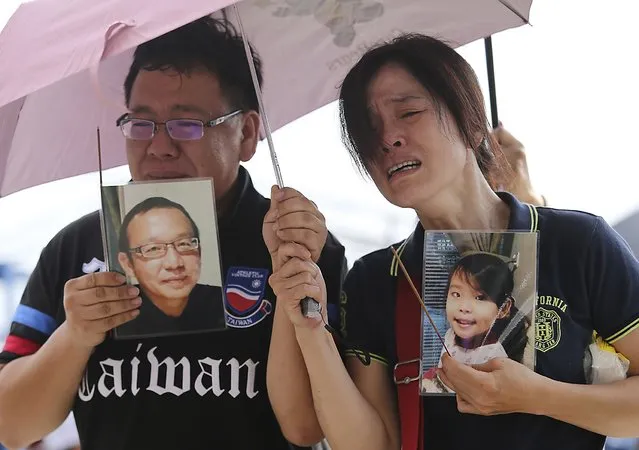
point(409, 114)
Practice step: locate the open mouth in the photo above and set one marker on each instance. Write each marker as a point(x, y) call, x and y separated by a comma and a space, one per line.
point(464, 323)
point(403, 167)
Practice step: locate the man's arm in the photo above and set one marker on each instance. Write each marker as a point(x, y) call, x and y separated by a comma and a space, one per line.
point(37, 390)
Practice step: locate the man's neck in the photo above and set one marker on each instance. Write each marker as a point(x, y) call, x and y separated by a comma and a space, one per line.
point(227, 201)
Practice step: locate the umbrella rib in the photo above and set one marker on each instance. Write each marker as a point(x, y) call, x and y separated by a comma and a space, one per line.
point(514, 11)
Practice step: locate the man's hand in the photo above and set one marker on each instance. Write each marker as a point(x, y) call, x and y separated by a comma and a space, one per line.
point(520, 185)
point(293, 218)
point(499, 386)
point(96, 303)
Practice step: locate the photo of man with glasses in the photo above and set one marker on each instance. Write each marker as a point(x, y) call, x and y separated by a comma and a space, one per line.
point(159, 246)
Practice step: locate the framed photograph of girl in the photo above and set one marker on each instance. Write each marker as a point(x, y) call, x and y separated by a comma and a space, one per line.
point(480, 290)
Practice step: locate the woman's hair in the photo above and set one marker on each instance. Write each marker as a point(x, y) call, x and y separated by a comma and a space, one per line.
point(445, 75)
point(491, 275)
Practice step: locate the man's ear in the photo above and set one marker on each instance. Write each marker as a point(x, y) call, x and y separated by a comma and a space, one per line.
point(126, 265)
point(250, 135)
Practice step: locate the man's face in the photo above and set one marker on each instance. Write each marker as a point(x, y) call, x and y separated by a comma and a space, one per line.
point(173, 275)
point(163, 95)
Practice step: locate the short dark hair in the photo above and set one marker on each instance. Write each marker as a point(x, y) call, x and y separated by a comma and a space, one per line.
point(447, 77)
point(206, 43)
point(147, 205)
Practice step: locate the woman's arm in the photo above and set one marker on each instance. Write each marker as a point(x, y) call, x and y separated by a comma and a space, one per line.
point(503, 386)
point(354, 413)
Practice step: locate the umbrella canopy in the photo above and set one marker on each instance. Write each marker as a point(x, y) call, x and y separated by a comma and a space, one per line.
point(50, 104)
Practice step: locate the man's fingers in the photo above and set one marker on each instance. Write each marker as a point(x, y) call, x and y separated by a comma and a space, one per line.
point(108, 323)
point(94, 279)
point(102, 294)
point(107, 309)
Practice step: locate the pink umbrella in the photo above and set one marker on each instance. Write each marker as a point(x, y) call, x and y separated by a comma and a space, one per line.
point(63, 63)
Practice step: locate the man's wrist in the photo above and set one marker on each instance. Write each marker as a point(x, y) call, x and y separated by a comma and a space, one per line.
point(71, 340)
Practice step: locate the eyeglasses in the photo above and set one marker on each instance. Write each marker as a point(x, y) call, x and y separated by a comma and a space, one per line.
point(178, 129)
point(158, 250)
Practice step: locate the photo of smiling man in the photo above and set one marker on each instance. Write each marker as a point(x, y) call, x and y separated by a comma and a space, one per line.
point(159, 247)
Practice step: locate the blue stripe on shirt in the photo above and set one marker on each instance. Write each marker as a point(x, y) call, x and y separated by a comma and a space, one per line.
point(32, 318)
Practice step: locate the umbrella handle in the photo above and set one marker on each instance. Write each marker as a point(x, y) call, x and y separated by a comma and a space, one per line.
point(490, 70)
point(309, 306)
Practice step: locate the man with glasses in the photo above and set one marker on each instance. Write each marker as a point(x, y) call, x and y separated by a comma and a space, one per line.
point(191, 112)
point(159, 247)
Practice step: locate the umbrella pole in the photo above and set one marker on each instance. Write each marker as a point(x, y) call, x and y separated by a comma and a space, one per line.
point(488, 45)
point(260, 102)
point(105, 245)
point(310, 307)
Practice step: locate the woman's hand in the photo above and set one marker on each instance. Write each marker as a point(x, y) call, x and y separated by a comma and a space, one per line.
point(298, 277)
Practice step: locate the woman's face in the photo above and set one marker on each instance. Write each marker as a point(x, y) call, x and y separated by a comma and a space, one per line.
point(470, 312)
point(426, 154)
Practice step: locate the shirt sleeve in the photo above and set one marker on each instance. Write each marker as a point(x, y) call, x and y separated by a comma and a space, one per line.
point(34, 319)
point(612, 273)
point(361, 315)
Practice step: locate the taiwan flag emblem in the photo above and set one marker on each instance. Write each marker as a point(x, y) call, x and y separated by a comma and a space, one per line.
point(244, 296)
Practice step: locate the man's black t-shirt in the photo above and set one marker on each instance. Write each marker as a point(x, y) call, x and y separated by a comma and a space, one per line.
point(204, 390)
point(588, 279)
point(204, 311)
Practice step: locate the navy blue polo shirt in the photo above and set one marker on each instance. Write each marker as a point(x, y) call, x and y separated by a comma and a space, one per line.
point(588, 280)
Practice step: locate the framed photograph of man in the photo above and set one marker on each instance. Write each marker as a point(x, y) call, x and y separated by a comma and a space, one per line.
point(479, 289)
point(163, 237)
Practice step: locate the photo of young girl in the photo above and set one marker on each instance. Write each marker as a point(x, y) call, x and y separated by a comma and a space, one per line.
point(483, 312)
